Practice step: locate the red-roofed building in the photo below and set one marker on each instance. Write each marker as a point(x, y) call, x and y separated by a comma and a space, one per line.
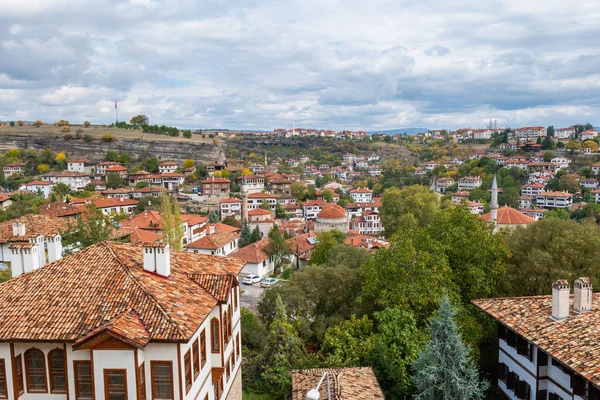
point(508, 218)
point(13, 168)
point(41, 187)
point(230, 207)
point(257, 261)
point(215, 186)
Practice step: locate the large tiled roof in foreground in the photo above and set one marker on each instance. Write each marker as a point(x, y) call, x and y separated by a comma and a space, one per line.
point(573, 342)
point(71, 297)
point(345, 383)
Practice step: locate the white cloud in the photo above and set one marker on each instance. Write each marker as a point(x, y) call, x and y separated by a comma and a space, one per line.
point(321, 63)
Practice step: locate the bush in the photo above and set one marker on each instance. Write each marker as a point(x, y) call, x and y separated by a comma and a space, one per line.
point(65, 128)
point(108, 138)
point(87, 124)
point(38, 123)
point(287, 273)
point(187, 134)
point(88, 138)
point(20, 123)
point(12, 123)
point(68, 136)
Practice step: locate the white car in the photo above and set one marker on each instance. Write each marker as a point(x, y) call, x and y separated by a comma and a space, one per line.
point(251, 279)
point(268, 282)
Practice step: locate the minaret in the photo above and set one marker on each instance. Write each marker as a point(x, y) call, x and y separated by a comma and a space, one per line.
point(266, 165)
point(494, 203)
point(244, 190)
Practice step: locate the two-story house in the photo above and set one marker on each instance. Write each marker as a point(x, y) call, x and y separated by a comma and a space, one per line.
point(548, 344)
point(215, 186)
point(362, 195)
point(121, 321)
point(554, 199)
point(469, 183)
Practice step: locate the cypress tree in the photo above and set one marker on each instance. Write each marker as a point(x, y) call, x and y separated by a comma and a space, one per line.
point(255, 237)
point(245, 235)
point(213, 217)
point(444, 370)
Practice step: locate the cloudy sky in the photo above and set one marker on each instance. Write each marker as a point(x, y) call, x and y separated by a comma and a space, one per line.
point(263, 64)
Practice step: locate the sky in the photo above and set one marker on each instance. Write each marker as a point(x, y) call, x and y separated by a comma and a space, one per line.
point(330, 64)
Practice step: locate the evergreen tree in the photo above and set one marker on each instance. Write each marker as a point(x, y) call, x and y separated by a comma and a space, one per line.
point(213, 217)
point(245, 235)
point(255, 237)
point(283, 352)
point(444, 370)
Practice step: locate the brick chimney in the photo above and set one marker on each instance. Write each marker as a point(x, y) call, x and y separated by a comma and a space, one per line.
point(24, 258)
point(583, 295)
point(157, 258)
point(560, 300)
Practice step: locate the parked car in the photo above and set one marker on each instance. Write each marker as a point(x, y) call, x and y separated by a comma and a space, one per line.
point(268, 282)
point(251, 279)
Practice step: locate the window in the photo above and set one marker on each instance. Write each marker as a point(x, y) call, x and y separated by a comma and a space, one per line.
point(511, 380)
point(35, 370)
point(195, 358)
point(19, 372)
point(203, 347)
point(142, 380)
point(225, 330)
point(502, 372)
point(501, 332)
point(214, 332)
point(115, 384)
point(3, 386)
point(238, 345)
point(187, 363)
point(56, 364)
point(542, 358)
point(235, 297)
point(580, 387)
point(229, 319)
point(511, 338)
point(554, 396)
point(162, 379)
point(524, 347)
point(522, 390)
point(84, 382)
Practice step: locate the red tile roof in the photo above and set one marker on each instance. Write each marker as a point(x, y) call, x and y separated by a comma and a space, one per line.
point(509, 216)
point(253, 253)
point(345, 383)
point(214, 241)
point(67, 299)
point(573, 342)
point(35, 225)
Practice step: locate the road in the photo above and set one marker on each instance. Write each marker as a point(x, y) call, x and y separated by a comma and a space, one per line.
point(250, 295)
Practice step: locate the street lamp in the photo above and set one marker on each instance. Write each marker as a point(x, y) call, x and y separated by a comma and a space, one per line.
point(313, 394)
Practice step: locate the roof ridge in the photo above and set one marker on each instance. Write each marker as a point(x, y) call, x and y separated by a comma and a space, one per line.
point(140, 284)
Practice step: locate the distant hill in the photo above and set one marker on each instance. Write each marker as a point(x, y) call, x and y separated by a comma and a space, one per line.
point(408, 131)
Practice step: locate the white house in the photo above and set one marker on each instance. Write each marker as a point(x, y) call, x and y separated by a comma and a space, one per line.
point(13, 168)
point(362, 195)
point(41, 187)
point(80, 165)
point(75, 180)
point(532, 189)
point(469, 183)
point(257, 261)
point(562, 161)
point(368, 223)
point(167, 167)
point(547, 344)
point(554, 199)
point(230, 207)
point(168, 326)
point(218, 243)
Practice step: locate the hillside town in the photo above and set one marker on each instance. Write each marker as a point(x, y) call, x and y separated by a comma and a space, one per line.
point(237, 239)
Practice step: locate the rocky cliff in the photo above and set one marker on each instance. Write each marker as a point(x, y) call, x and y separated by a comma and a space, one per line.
point(175, 150)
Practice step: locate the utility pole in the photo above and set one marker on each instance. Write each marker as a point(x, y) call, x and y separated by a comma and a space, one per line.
point(116, 113)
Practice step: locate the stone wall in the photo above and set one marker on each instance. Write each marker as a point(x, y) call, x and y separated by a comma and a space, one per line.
point(235, 392)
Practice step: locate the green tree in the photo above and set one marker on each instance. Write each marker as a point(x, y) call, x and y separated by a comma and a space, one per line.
point(151, 164)
point(256, 235)
point(245, 235)
point(213, 217)
point(93, 227)
point(61, 190)
point(278, 247)
point(550, 131)
point(573, 146)
point(326, 242)
point(111, 155)
point(139, 120)
point(283, 352)
point(114, 181)
point(548, 250)
point(444, 370)
point(265, 205)
point(172, 226)
point(412, 206)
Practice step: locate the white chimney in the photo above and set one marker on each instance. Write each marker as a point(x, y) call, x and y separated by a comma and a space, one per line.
point(157, 258)
point(15, 229)
point(55, 248)
point(39, 240)
point(21, 228)
point(560, 300)
point(24, 258)
point(583, 295)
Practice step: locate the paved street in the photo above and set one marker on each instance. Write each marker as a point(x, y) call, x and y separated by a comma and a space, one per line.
point(250, 295)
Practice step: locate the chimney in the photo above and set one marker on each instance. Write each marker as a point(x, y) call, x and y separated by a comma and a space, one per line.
point(560, 300)
point(212, 229)
point(54, 244)
point(18, 228)
point(583, 295)
point(39, 240)
point(157, 258)
point(24, 258)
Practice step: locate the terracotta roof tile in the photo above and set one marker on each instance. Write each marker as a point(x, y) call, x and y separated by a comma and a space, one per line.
point(35, 225)
point(573, 342)
point(345, 383)
point(84, 291)
point(509, 216)
point(253, 253)
point(213, 241)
